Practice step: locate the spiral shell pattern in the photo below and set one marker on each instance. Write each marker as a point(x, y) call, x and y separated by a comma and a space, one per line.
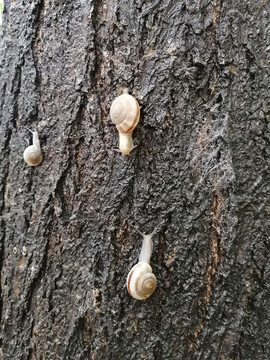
point(32, 155)
point(125, 113)
point(141, 282)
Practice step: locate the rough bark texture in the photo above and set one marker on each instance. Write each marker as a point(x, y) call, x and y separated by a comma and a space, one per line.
point(200, 173)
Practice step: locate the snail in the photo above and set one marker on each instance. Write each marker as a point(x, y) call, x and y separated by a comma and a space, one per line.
point(141, 282)
point(125, 114)
point(32, 154)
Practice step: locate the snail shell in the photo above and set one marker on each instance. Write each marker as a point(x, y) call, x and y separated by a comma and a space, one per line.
point(141, 282)
point(32, 155)
point(125, 113)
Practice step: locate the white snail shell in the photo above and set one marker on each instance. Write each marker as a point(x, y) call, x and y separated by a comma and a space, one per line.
point(125, 114)
point(141, 282)
point(32, 154)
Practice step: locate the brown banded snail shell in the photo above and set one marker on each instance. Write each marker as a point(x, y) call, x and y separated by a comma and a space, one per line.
point(141, 282)
point(125, 114)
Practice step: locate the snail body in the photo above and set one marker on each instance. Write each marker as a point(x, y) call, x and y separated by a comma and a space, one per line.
point(141, 282)
point(125, 114)
point(32, 154)
point(125, 144)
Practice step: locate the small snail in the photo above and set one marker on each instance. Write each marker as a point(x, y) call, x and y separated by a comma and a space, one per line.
point(141, 282)
point(125, 114)
point(32, 154)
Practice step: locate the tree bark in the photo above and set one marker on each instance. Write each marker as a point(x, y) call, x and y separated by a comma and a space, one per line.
point(199, 173)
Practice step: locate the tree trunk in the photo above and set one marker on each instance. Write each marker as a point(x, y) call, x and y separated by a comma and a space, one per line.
point(199, 174)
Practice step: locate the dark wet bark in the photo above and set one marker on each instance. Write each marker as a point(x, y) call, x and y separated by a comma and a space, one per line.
point(200, 173)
